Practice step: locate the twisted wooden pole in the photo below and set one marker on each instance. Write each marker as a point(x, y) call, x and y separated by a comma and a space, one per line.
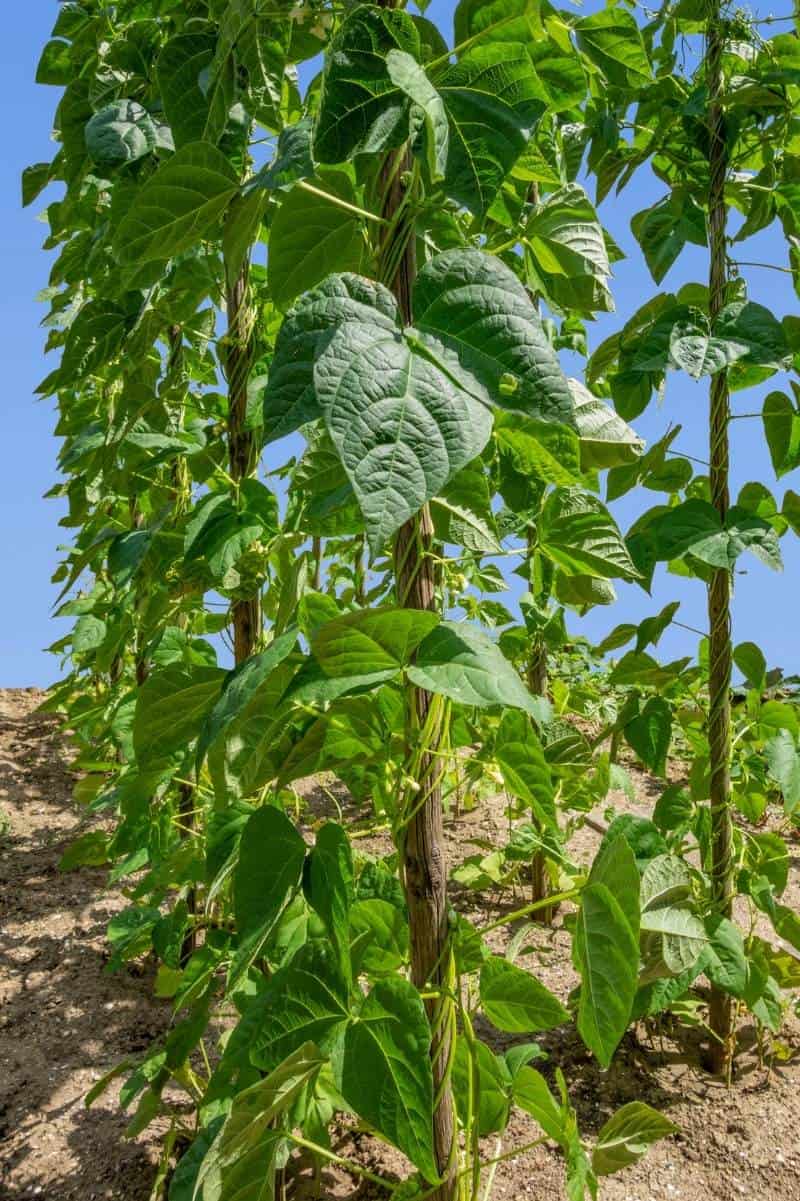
point(422, 840)
point(242, 450)
point(721, 1018)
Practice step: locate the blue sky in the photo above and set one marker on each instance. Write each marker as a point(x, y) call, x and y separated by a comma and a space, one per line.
point(765, 604)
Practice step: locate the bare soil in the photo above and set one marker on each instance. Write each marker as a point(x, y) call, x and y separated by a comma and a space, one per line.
point(64, 1022)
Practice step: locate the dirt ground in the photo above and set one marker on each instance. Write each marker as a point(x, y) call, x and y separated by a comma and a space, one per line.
point(64, 1022)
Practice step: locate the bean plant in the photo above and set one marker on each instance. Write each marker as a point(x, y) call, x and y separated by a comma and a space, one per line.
point(315, 268)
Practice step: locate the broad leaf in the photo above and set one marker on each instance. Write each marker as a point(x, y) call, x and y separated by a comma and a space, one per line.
point(613, 41)
point(170, 708)
point(371, 640)
point(384, 1070)
point(122, 132)
point(493, 102)
point(525, 770)
point(195, 111)
point(361, 110)
point(608, 955)
point(626, 1136)
point(305, 1001)
point(401, 425)
point(330, 887)
point(178, 206)
point(427, 108)
point(478, 319)
point(271, 857)
point(311, 238)
point(579, 534)
point(461, 661)
point(515, 1001)
point(566, 252)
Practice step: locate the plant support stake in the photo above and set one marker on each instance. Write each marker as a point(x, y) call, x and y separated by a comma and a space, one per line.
point(719, 588)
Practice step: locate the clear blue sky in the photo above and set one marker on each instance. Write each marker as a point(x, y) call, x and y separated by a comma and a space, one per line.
point(765, 604)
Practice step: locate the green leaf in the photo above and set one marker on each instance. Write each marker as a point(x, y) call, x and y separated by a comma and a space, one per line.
point(608, 955)
point(369, 641)
point(493, 1099)
point(196, 110)
point(498, 20)
point(121, 132)
point(401, 425)
point(304, 1001)
point(427, 109)
point(311, 237)
point(532, 1094)
point(463, 514)
point(361, 110)
point(240, 687)
point(478, 319)
point(693, 527)
point(170, 708)
point(782, 431)
point(290, 399)
point(515, 1001)
point(384, 1070)
point(461, 661)
point(605, 439)
point(615, 867)
point(783, 762)
point(526, 774)
point(663, 230)
point(34, 180)
point(539, 450)
point(579, 534)
point(292, 159)
point(379, 930)
point(567, 254)
point(90, 850)
point(725, 962)
point(666, 894)
point(271, 858)
point(241, 1162)
point(750, 660)
point(330, 888)
point(612, 40)
point(649, 734)
point(625, 1137)
point(178, 206)
point(493, 101)
point(55, 64)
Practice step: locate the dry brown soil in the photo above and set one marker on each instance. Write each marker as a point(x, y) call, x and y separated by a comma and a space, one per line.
point(64, 1022)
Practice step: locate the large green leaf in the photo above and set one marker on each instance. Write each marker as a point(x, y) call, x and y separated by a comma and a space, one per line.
point(170, 708)
point(493, 101)
point(461, 661)
point(782, 430)
point(290, 399)
point(311, 238)
point(241, 1164)
point(567, 253)
point(271, 858)
point(361, 110)
point(402, 426)
point(783, 762)
point(613, 41)
point(240, 687)
point(121, 132)
point(615, 867)
point(368, 641)
point(178, 206)
point(626, 1136)
point(608, 955)
point(579, 534)
point(384, 1070)
point(305, 1001)
point(543, 451)
point(649, 733)
point(428, 109)
point(498, 20)
point(479, 321)
point(664, 229)
point(667, 921)
point(605, 439)
point(330, 887)
point(693, 527)
point(526, 774)
point(195, 111)
point(515, 1001)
